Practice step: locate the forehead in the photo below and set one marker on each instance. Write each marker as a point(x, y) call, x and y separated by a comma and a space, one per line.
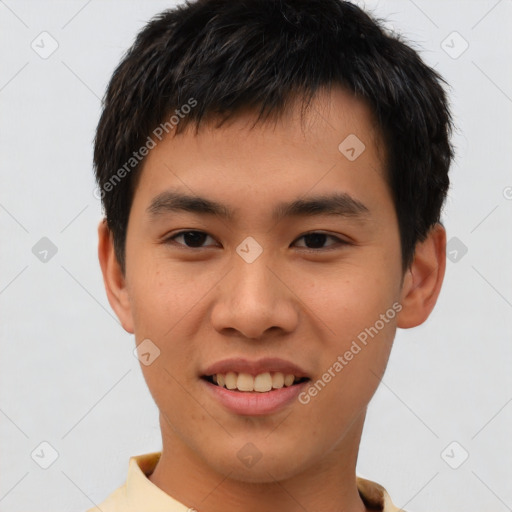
point(288, 155)
point(335, 108)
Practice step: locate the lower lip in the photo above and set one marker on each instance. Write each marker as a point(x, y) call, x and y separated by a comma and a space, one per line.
point(253, 403)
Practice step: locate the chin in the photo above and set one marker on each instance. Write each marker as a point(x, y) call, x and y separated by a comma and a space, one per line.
point(257, 464)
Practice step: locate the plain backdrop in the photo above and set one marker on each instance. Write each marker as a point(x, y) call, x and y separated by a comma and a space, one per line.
point(437, 434)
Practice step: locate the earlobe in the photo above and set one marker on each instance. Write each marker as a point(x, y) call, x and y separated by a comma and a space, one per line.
point(423, 280)
point(113, 279)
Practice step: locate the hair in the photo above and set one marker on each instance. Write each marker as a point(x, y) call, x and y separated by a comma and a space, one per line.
point(228, 57)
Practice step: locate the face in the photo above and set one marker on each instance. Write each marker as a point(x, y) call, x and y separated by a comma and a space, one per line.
point(273, 289)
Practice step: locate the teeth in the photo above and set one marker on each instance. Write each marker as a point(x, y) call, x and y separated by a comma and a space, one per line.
point(288, 380)
point(277, 380)
point(261, 383)
point(231, 380)
point(245, 382)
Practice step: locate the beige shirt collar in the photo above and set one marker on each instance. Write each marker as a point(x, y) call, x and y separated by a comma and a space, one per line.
point(139, 493)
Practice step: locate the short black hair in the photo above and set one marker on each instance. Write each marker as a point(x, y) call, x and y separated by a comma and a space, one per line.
point(224, 57)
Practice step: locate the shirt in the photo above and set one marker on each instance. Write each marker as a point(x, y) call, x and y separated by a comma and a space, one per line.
point(138, 493)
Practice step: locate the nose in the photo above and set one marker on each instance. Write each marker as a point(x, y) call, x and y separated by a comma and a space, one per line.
point(254, 299)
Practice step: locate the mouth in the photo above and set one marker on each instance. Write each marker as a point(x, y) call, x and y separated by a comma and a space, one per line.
point(260, 383)
point(254, 388)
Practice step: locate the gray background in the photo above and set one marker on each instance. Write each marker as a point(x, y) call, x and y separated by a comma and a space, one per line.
point(68, 374)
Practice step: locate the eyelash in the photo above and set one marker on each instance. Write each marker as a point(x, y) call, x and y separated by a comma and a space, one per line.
point(340, 242)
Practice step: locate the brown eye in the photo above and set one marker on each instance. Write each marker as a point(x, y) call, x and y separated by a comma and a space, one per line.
point(191, 239)
point(316, 240)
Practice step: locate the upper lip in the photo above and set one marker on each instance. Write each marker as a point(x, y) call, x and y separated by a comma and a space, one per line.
point(268, 364)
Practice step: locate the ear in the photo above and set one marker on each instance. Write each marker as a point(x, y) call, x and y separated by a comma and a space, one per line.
point(113, 278)
point(423, 279)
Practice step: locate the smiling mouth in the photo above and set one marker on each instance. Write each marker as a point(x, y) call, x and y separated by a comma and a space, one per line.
point(261, 383)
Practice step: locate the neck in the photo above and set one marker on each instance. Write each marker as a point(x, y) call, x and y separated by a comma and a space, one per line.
point(329, 485)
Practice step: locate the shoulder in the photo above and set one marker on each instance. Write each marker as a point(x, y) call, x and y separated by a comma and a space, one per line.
point(375, 496)
point(115, 502)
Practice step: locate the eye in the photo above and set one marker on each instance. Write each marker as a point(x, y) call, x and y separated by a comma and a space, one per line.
point(316, 239)
point(192, 239)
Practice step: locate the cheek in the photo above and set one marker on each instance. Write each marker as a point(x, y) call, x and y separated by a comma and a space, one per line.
point(163, 304)
point(162, 295)
point(358, 317)
point(351, 373)
point(159, 314)
point(348, 300)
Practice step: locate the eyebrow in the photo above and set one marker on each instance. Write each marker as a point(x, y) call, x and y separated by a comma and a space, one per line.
point(339, 204)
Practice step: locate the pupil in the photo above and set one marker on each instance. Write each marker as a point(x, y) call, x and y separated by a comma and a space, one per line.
point(316, 238)
point(194, 238)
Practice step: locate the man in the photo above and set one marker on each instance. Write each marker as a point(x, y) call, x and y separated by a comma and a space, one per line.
point(272, 174)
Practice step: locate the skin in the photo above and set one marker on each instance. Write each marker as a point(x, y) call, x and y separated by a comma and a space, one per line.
point(201, 305)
